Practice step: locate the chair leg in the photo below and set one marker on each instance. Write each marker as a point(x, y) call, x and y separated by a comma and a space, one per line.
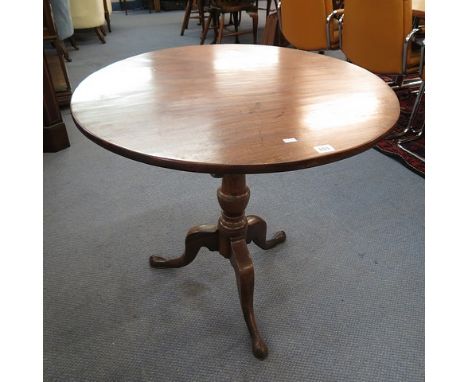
point(63, 49)
point(220, 29)
point(236, 25)
point(254, 26)
point(107, 16)
point(216, 17)
point(414, 112)
point(271, 32)
point(409, 139)
point(206, 28)
point(103, 30)
point(100, 35)
point(185, 21)
point(201, 13)
point(73, 42)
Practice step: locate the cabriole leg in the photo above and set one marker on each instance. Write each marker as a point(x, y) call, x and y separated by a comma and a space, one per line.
point(197, 237)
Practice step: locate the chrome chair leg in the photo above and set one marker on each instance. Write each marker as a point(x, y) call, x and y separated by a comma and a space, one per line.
point(414, 112)
point(417, 133)
point(409, 139)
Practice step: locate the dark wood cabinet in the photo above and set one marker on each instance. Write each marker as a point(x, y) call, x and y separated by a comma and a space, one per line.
point(54, 52)
point(55, 133)
point(56, 87)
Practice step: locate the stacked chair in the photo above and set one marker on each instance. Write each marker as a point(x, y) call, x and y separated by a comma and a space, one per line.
point(380, 37)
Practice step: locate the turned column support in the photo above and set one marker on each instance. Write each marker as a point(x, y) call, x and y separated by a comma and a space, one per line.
point(233, 197)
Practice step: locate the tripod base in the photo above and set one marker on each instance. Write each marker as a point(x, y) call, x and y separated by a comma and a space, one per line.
point(230, 238)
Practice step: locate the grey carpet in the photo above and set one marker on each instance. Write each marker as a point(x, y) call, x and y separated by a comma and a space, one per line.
point(341, 300)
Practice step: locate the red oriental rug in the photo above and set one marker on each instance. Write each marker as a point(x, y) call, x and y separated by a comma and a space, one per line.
point(390, 147)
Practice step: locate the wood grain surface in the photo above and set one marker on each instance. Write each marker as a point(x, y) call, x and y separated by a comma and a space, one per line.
point(234, 108)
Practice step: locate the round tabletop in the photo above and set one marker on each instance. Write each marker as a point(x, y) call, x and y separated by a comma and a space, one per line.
point(234, 108)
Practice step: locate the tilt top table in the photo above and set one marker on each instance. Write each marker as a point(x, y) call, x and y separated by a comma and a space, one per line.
point(232, 110)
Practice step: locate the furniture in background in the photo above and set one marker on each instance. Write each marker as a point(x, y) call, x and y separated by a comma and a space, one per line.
point(196, 7)
point(243, 109)
point(338, 4)
point(89, 14)
point(55, 135)
point(379, 36)
point(107, 12)
point(62, 22)
point(54, 54)
point(268, 6)
point(310, 24)
point(271, 32)
point(419, 8)
point(153, 5)
point(219, 8)
point(413, 132)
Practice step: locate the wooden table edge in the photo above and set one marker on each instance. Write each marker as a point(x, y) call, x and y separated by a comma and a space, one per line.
point(213, 168)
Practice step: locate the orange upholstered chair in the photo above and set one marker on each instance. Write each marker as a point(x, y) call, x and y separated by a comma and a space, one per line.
point(309, 24)
point(378, 36)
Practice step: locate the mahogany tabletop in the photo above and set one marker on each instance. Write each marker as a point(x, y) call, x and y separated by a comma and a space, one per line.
point(234, 108)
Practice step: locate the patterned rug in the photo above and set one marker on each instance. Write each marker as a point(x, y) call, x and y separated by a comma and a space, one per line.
point(390, 147)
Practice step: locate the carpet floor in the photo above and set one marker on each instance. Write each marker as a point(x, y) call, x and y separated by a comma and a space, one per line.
point(341, 300)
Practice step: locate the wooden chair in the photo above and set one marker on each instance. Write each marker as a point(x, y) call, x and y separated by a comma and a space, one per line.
point(217, 11)
point(310, 24)
point(193, 7)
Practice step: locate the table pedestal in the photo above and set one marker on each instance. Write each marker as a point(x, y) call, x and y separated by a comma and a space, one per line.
point(230, 238)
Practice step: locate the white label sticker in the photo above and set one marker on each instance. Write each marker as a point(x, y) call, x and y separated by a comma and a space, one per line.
point(322, 149)
point(289, 140)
